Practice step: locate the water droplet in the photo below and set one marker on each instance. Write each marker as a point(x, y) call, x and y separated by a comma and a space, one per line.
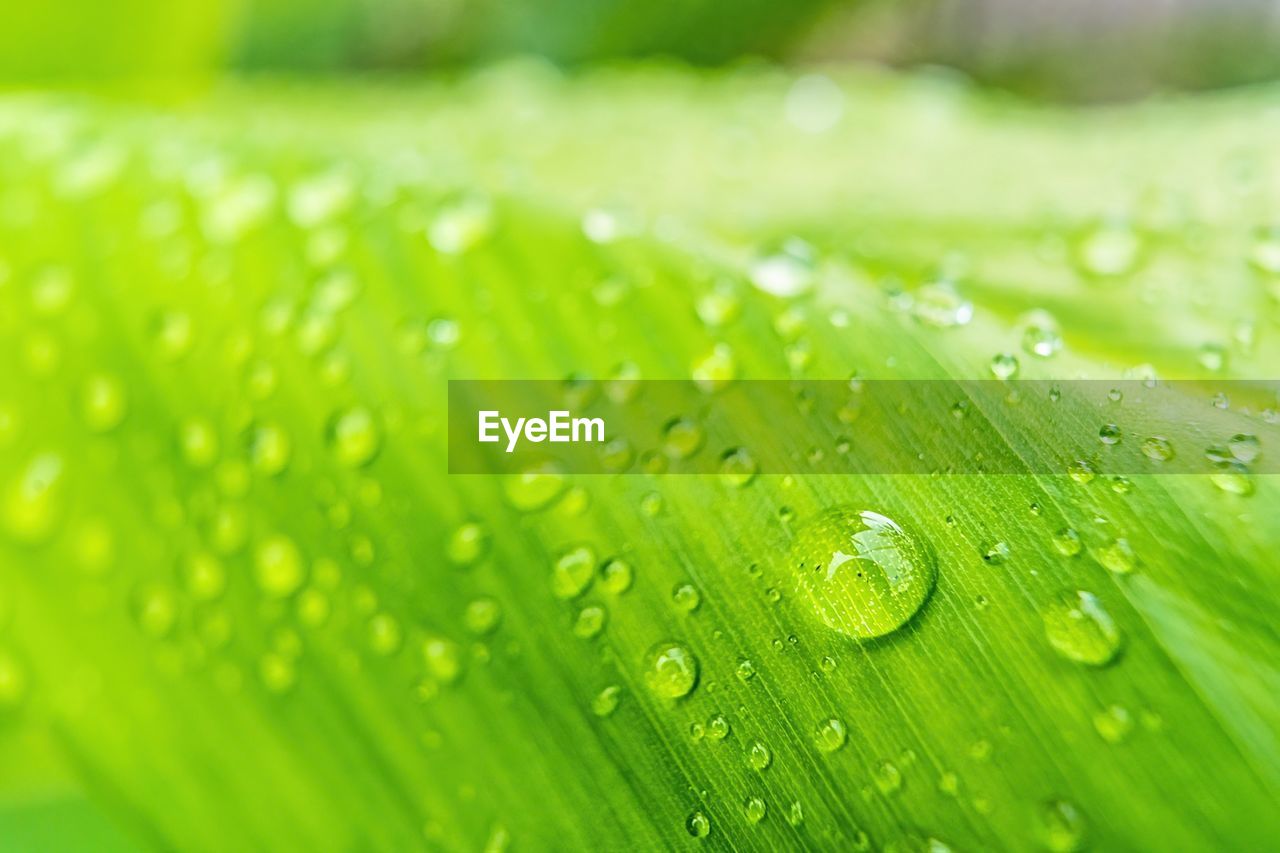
point(682, 437)
point(461, 225)
point(172, 334)
point(1113, 723)
point(861, 572)
point(1157, 448)
point(104, 403)
point(278, 566)
point(269, 448)
point(1081, 472)
point(888, 777)
point(590, 622)
point(941, 306)
point(753, 809)
point(698, 825)
point(1004, 365)
point(444, 333)
point(13, 680)
point(795, 814)
point(719, 306)
point(534, 488)
point(606, 701)
point(1234, 479)
point(686, 597)
point(651, 504)
point(155, 609)
point(1067, 542)
point(758, 756)
point(1062, 825)
point(354, 437)
point(718, 727)
point(996, 553)
point(1212, 357)
point(1245, 448)
point(1081, 630)
point(467, 544)
point(385, 634)
point(746, 670)
point(572, 572)
point(737, 467)
point(33, 504)
point(615, 576)
point(830, 734)
point(443, 659)
point(313, 608)
point(204, 576)
point(482, 616)
point(1112, 250)
point(670, 670)
point(787, 273)
point(1110, 434)
point(198, 441)
point(715, 370)
point(1041, 336)
point(1118, 556)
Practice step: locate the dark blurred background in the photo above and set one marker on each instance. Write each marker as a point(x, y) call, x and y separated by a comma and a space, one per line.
point(1085, 50)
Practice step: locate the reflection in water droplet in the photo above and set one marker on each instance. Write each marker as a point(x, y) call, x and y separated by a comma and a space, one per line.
point(1080, 629)
point(861, 572)
point(1118, 556)
point(572, 572)
point(830, 734)
point(759, 756)
point(1157, 448)
point(606, 701)
point(670, 670)
point(698, 825)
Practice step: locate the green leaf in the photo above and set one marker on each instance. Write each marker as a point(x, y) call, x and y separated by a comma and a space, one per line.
point(244, 605)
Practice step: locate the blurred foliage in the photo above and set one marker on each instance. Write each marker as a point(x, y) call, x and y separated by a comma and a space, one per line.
point(78, 41)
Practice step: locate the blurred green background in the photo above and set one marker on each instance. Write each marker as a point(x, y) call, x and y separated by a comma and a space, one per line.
point(1077, 51)
point(269, 213)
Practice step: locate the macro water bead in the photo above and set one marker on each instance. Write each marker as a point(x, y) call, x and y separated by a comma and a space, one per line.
point(863, 574)
point(670, 670)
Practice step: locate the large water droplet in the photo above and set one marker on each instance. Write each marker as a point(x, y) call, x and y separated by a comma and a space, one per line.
point(862, 573)
point(670, 670)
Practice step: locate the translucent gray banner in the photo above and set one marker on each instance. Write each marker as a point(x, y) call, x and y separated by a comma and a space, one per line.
point(737, 429)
